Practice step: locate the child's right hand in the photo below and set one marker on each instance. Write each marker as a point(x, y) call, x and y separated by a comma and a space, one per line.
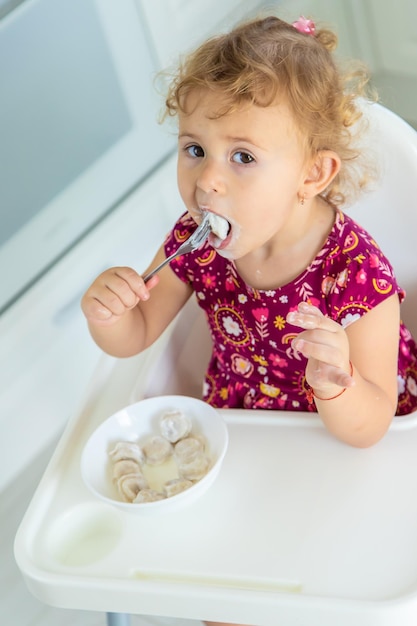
point(113, 293)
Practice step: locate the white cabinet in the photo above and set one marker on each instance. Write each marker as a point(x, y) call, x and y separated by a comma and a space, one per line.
point(176, 26)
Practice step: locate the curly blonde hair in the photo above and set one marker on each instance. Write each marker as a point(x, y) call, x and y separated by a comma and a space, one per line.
point(267, 58)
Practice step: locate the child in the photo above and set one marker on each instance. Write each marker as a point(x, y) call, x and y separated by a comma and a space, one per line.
point(303, 307)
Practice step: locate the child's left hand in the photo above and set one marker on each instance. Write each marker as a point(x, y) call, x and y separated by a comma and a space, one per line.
point(325, 344)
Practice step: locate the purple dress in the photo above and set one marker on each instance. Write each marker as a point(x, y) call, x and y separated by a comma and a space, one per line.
point(252, 364)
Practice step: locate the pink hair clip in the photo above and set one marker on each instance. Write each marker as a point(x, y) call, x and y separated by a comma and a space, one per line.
point(305, 26)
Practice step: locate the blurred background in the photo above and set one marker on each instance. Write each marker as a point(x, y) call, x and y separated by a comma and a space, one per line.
point(87, 180)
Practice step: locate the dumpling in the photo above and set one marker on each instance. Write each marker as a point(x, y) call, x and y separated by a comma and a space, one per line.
point(127, 450)
point(129, 486)
point(188, 448)
point(176, 485)
point(195, 468)
point(148, 495)
point(123, 467)
point(157, 449)
point(174, 426)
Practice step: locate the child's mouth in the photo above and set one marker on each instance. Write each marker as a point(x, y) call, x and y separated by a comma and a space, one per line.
point(220, 231)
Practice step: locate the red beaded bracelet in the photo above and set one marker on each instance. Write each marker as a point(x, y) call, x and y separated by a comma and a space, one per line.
point(310, 391)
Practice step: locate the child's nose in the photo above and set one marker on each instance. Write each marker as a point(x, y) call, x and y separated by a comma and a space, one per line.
point(211, 178)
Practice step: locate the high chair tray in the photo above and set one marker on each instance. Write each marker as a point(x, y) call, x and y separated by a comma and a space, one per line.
point(298, 529)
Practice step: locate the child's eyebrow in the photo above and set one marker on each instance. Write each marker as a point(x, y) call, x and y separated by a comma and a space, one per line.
point(250, 140)
point(188, 135)
point(231, 138)
point(239, 138)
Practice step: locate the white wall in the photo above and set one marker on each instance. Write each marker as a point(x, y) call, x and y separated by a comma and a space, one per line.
point(382, 33)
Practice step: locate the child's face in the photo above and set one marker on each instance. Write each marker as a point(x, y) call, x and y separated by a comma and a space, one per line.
point(247, 166)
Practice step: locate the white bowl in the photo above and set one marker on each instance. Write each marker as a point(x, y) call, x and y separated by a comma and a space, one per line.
point(138, 422)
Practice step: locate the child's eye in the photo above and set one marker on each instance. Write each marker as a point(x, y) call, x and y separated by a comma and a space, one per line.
point(243, 157)
point(195, 151)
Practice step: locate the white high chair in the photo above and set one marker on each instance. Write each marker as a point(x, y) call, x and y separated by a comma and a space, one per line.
point(389, 212)
point(309, 531)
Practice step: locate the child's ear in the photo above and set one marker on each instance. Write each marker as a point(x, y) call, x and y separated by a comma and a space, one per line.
point(322, 171)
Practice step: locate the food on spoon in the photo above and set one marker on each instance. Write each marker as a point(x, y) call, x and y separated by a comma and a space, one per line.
point(157, 449)
point(175, 425)
point(219, 225)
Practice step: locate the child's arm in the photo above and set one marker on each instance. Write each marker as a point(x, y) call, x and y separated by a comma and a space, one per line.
point(124, 315)
point(361, 414)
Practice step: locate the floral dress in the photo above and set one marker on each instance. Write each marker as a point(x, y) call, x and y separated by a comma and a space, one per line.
point(252, 364)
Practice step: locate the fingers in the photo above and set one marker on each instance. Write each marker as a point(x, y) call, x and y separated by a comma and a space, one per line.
point(318, 345)
point(322, 339)
point(326, 346)
point(308, 316)
point(113, 293)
